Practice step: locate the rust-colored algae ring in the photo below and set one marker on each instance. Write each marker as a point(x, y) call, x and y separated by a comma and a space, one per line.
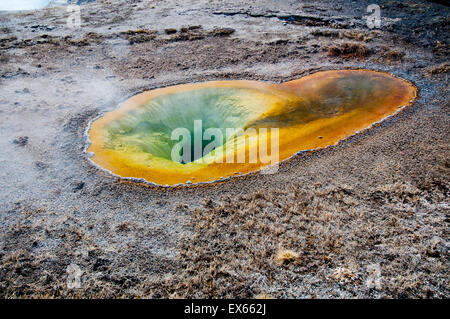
point(136, 141)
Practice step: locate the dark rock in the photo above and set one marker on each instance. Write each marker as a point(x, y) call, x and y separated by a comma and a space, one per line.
point(101, 264)
point(41, 165)
point(170, 31)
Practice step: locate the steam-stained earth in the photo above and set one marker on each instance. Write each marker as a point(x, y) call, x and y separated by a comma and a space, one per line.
point(366, 218)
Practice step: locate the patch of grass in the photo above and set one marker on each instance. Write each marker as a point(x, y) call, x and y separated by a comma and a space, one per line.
point(139, 36)
point(391, 55)
point(286, 257)
point(352, 35)
point(263, 296)
point(439, 69)
point(441, 49)
point(343, 275)
point(124, 226)
point(349, 50)
point(222, 31)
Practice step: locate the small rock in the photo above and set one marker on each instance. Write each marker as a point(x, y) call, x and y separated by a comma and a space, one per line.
point(170, 31)
point(101, 264)
point(41, 165)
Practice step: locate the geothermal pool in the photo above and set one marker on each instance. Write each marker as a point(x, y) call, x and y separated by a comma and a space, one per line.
point(151, 137)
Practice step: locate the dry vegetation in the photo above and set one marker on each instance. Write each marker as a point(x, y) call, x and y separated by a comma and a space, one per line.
point(346, 34)
point(338, 234)
point(390, 55)
point(439, 69)
point(234, 249)
point(286, 257)
point(349, 50)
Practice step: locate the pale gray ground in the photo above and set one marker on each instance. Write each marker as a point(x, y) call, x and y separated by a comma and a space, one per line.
point(378, 200)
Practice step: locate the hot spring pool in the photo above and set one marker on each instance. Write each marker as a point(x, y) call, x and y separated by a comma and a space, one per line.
point(140, 139)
